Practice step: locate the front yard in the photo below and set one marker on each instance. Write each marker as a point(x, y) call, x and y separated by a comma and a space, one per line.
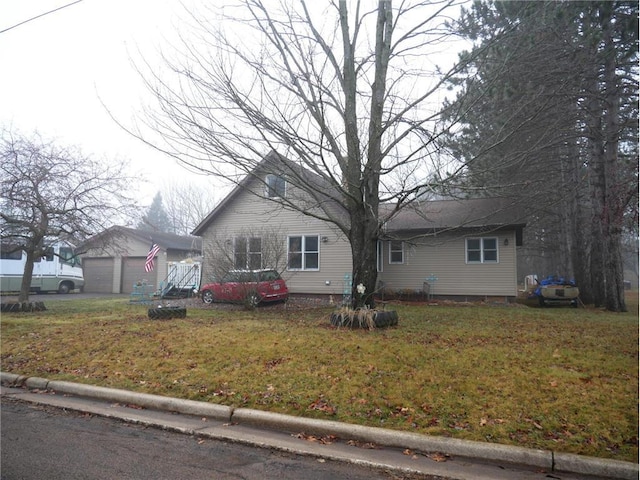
point(559, 378)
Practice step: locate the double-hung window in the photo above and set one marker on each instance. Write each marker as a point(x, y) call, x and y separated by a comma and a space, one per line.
point(482, 250)
point(396, 251)
point(276, 186)
point(247, 253)
point(303, 252)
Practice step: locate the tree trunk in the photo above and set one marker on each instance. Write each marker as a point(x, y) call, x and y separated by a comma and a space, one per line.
point(613, 213)
point(596, 266)
point(27, 276)
point(363, 240)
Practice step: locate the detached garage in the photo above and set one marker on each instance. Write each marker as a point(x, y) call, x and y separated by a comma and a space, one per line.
point(101, 278)
point(114, 261)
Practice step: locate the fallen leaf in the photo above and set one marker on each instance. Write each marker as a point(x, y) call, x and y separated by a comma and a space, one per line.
point(438, 457)
point(323, 406)
point(369, 445)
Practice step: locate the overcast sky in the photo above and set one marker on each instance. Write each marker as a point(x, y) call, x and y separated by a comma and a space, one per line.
point(57, 69)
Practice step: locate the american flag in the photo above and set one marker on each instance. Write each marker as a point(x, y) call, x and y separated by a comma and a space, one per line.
point(150, 263)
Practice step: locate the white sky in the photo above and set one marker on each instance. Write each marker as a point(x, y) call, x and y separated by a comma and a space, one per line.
point(55, 70)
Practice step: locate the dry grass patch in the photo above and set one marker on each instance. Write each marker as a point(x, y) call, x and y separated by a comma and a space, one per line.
point(559, 378)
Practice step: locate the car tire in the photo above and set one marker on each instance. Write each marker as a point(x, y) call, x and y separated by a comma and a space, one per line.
point(207, 297)
point(64, 288)
point(253, 299)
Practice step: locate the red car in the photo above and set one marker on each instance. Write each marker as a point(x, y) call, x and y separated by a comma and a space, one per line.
point(249, 286)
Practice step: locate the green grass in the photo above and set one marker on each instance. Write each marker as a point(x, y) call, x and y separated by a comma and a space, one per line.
point(559, 378)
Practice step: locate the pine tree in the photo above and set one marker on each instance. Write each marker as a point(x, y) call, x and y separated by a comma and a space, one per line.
point(156, 218)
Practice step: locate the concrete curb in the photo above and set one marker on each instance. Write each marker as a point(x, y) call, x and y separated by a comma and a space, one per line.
point(394, 438)
point(543, 459)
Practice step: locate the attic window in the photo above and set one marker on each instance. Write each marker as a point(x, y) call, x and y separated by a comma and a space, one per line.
point(276, 186)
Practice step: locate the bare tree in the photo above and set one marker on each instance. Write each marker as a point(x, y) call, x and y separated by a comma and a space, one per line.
point(249, 249)
point(186, 205)
point(347, 91)
point(50, 192)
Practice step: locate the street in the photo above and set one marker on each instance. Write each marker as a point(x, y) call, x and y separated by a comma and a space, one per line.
point(41, 442)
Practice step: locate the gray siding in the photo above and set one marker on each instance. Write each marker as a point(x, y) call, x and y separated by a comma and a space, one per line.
point(248, 213)
point(444, 257)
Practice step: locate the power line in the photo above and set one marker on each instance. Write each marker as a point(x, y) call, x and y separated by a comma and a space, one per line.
point(41, 15)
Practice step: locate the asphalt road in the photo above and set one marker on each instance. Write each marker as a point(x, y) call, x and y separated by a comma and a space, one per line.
point(40, 442)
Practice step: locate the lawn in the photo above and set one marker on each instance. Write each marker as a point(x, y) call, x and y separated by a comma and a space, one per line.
point(562, 379)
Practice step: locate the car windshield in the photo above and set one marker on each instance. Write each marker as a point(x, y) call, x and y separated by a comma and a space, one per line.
point(269, 276)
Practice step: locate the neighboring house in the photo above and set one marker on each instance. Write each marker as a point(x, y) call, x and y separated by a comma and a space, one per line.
point(463, 248)
point(114, 260)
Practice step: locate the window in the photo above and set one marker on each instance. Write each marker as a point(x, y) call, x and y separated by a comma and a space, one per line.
point(10, 255)
point(379, 256)
point(482, 250)
point(396, 251)
point(303, 253)
point(67, 256)
point(247, 253)
point(276, 186)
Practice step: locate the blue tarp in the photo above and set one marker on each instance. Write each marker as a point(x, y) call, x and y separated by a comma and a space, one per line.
point(554, 280)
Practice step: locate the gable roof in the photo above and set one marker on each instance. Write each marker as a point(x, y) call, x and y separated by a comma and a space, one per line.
point(421, 217)
point(274, 163)
point(166, 241)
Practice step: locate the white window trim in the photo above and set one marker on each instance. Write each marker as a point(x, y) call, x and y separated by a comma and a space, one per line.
point(482, 251)
point(304, 252)
point(380, 256)
point(247, 253)
point(267, 188)
point(391, 262)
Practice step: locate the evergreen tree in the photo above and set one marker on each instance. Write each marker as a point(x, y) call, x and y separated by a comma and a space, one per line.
point(546, 108)
point(156, 218)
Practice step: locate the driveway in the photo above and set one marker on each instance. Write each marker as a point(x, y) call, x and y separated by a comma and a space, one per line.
point(43, 297)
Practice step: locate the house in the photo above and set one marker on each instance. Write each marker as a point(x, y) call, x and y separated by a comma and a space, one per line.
point(461, 248)
point(114, 260)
